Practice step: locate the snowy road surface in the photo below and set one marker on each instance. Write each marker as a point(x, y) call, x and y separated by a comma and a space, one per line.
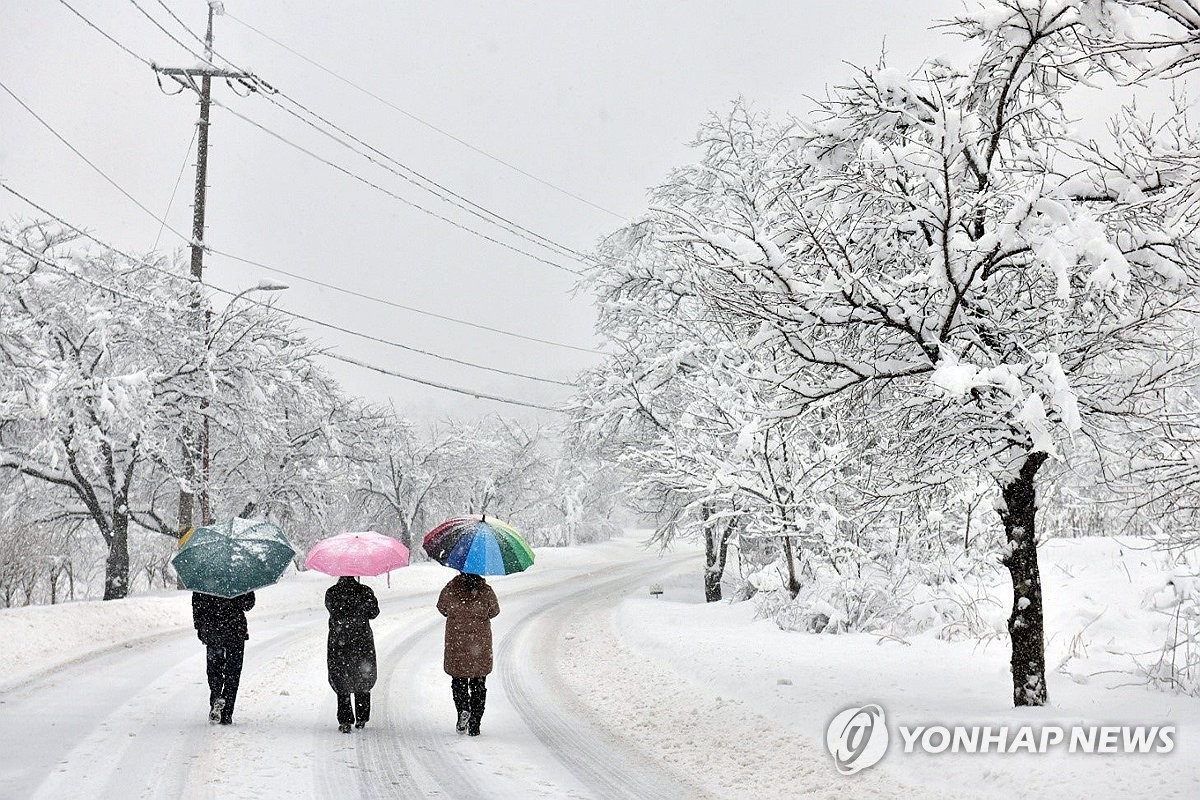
point(600, 691)
point(131, 723)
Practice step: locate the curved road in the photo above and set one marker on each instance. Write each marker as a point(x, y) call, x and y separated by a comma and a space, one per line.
point(130, 722)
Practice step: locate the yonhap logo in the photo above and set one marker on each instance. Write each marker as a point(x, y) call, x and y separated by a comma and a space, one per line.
point(857, 738)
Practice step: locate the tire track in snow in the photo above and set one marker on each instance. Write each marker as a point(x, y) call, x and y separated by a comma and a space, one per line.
point(271, 743)
point(131, 698)
point(382, 743)
point(206, 752)
point(118, 727)
point(599, 757)
point(376, 759)
point(70, 726)
point(419, 758)
point(415, 752)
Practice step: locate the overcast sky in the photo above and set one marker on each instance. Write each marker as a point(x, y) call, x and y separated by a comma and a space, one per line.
point(597, 97)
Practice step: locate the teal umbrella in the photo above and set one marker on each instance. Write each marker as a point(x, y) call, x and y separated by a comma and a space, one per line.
point(232, 557)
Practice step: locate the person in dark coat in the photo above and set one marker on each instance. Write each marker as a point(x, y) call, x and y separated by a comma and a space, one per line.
point(221, 625)
point(351, 654)
point(469, 605)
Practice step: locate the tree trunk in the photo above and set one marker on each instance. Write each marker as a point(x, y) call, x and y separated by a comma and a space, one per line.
point(405, 533)
point(716, 549)
point(116, 567)
point(793, 586)
point(29, 583)
point(1025, 625)
point(712, 573)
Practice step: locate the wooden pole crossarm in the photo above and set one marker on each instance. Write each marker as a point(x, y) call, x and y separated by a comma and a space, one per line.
point(211, 72)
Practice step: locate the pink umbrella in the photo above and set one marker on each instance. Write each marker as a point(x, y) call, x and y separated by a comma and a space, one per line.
point(365, 553)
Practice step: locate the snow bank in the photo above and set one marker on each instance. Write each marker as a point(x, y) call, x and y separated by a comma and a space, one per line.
point(755, 687)
point(41, 637)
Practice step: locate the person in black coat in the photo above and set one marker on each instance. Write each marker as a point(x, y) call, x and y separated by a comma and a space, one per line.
point(351, 653)
point(221, 625)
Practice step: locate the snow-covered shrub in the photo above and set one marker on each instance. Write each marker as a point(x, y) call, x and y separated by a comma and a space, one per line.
point(150, 557)
point(1177, 666)
point(891, 597)
point(833, 603)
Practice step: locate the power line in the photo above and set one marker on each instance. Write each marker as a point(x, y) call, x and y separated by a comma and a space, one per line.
point(172, 36)
point(286, 312)
point(89, 162)
point(372, 184)
point(94, 27)
point(174, 191)
point(405, 172)
point(459, 201)
point(389, 192)
point(412, 349)
point(425, 123)
point(392, 304)
point(437, 385)
point(269, 268)
point(326, 353)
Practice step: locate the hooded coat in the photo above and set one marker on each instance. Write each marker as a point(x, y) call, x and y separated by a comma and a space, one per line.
point(468, 612)
point(351, 651)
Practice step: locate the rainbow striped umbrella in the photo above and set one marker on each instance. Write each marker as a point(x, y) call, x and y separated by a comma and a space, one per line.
point(478, 545)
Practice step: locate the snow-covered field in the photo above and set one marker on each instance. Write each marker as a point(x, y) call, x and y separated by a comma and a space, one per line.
point(599, 691)
point(754, 703)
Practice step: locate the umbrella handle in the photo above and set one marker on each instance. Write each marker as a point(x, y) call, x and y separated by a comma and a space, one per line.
point(389, 579)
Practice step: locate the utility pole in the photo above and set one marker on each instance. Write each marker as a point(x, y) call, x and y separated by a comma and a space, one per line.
point(196, 443)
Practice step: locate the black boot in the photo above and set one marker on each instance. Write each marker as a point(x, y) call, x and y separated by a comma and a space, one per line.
point(462, 704)
point(478, 698)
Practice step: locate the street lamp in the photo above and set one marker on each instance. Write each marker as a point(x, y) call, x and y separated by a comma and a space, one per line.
point(205, 515)
point(261, 286)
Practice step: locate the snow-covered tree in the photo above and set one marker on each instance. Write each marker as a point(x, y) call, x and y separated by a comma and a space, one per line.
point(946, 242)
point(88, 395)
point(1154, 38)
point(106, 368)
point(405, 480)
point(586, 498)
point(490, 466)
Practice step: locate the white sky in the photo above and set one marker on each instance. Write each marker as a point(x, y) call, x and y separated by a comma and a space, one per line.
point(598, 97)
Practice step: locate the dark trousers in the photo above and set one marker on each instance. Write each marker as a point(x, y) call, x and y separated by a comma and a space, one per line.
point(361, 710)
point(225, 673)
point(469, 695)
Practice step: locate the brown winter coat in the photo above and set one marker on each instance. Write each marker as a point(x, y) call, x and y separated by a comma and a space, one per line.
point(468, 627)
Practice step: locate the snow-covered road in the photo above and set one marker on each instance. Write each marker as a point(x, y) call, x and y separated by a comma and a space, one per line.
point(130, 722)
point(600, 691)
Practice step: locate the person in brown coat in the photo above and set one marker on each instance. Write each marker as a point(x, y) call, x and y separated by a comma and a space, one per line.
point(468, 604)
